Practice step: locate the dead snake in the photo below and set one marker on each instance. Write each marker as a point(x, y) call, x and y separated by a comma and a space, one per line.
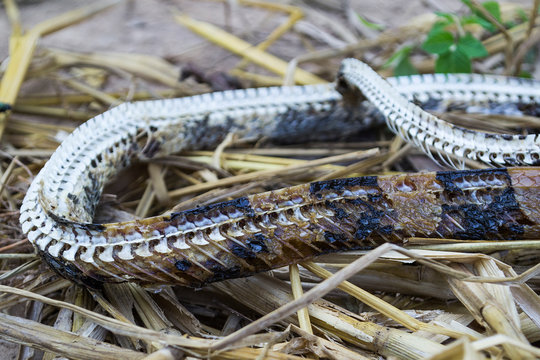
point(268, 230)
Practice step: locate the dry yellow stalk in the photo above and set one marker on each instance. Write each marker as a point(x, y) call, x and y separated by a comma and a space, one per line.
point(320, 290)
point(217, 154)
point(397, 155)
point(199, 345)
point(45, 100)
point(145, 203)
point(14, 17)
point(473, 246)
point(266, 294)
point(242, 48)
point(82, 299)
point(416, 280)
point(487, 310)
point(145, 66)
point(378, 304)
point(296, 287)
point(325, 348)
point(23, 46)
point(257, 79)
point(5, 176)
point(95, 93)
point(59, 342)
point(361, 166)
point(251, 158)
point(53, 112)
point(157, 173)
point(249, 165)
point(295, 14)
point(16, 256)
point(496, 340)
point(258, 175)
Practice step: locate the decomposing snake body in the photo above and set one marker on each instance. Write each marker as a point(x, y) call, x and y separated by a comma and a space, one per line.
point(264, 231)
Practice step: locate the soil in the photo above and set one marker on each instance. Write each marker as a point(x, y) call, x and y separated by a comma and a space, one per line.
point(149, 27)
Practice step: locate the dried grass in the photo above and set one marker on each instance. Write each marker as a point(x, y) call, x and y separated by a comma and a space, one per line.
point(437, 298)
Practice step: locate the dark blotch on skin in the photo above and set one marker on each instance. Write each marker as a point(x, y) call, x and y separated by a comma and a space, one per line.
point(94, 227)
point(221, 273)
point(373, 198)
point(72, 273)
point(254, 245)
point(339, 212)
point(489, 222)
point(84, 226)
point(449, 178)
point(182, 265)
point(242, 204)
point(339, 184)
point(257, 243)
point(429, 104)
point(92, 193)
point(505, 202)
point(334, 237)
point(531, 109)
point(476, 223)
point(73, 198)
point(242, 252)
point(370, 222)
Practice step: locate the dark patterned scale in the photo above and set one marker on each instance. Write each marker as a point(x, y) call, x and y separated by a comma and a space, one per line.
point(264, 231)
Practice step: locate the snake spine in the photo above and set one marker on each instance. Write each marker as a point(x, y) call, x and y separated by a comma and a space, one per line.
point(264, 231)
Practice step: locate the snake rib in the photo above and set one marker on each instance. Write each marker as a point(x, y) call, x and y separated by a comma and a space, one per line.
point(427, 131)
point(268, 230)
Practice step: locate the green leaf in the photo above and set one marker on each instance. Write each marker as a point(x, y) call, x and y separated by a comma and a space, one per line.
point(468, 3)
point(402, 63)
point(525, 74)
point(471, 46)
point(397, 57)
point(438, 27)
point(404, 67)
point(450, 18)
point(439, 42)
point(453, 61)
point(474, 19)
point(523, 16)
point(493, 8)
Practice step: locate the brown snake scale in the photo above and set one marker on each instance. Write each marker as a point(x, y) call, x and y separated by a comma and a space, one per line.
point(268, 230)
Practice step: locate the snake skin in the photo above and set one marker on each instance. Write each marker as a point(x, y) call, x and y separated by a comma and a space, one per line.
point(264, 231)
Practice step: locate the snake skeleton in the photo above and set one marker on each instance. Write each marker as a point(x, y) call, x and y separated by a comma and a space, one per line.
point(272, 229)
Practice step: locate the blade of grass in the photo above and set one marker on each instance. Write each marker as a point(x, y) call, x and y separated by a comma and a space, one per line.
point(245, 49)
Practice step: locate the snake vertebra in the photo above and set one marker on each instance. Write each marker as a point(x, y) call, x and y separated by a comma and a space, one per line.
point(264, 231)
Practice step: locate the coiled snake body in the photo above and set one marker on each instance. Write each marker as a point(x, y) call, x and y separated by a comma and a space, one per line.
point(264, 231)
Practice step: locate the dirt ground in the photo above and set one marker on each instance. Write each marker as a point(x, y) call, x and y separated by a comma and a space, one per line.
point(148, 27)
